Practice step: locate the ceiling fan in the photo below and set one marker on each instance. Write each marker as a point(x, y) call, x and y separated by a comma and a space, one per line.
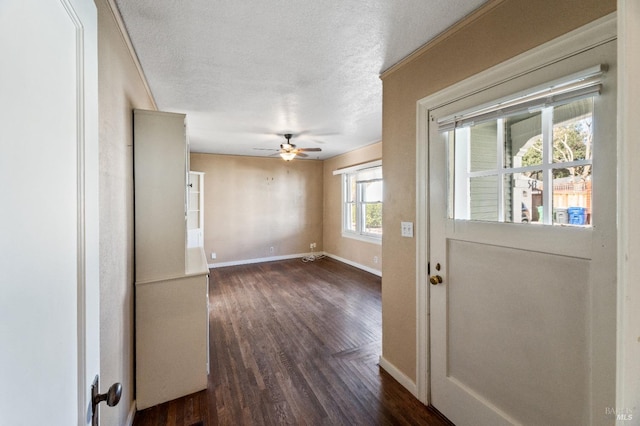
point(289, 151)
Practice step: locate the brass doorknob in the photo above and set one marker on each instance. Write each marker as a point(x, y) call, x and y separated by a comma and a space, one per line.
point(435, 279)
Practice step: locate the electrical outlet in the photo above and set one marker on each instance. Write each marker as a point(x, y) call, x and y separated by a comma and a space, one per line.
point(270, 250)
point(213, 255)
point(312, 246)
point(375, 259)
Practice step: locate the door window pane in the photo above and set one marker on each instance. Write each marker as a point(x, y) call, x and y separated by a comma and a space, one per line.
point(523, 197)
point(529, 167)
point(573, 148)
point(483, 193)
point(572, 135)
point(483, 147)
point(572, 200)
point(523, 140)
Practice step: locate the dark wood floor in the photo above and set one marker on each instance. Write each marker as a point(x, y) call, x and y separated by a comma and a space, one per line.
point(294, 343)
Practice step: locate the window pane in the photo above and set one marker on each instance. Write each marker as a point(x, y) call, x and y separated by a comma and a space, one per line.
point(572, 135)
point(572, 200)
point(498, 168)
point(511, 207)
point(351, 189)
point(372, 191)
point(483, 198)
point(572, 141)
point(370, 173)
point(523, 197)
point(483, 146)
point(536, 185)
point(194, 199)
point(523, 140)
point(363, 202)
point(373, 218)
point(449, 139)
point(350, 217)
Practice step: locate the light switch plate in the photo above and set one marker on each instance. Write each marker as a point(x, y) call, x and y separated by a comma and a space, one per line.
point(406, 229)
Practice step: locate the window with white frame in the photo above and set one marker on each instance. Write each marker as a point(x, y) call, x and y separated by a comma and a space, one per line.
point(528, 158)
point(362, 201)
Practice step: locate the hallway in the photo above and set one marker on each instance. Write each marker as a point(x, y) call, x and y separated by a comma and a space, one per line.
point(294, 343)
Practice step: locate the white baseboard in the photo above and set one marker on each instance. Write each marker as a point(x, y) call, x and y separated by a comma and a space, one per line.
point(354, 264)
point(405, 381)
point(294, 256)
point(259, 260)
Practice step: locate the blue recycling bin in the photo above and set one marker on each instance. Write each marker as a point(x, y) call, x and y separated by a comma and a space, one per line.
point(577, 215)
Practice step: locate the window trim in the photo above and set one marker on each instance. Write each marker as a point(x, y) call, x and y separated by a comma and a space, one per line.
point(359, 233)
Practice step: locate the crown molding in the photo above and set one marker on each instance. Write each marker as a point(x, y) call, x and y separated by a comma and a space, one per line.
point(122, 29)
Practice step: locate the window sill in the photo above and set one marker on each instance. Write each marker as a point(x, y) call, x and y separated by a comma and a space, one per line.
point(364, 238)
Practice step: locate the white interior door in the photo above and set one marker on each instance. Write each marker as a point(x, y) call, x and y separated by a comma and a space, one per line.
point(523, 323)
point(49, 295)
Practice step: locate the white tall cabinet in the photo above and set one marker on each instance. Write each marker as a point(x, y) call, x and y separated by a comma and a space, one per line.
point(171, 278)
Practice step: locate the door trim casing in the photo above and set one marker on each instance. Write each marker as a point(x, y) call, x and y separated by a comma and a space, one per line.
point(584, 38)
point(628, 307)
point(88, 292)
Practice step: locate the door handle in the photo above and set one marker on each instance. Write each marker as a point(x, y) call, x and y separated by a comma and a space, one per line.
point(112, 397)
point(435, 279)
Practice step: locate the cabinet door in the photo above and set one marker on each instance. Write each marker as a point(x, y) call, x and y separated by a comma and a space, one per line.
point(160, 148)
point(195, 212)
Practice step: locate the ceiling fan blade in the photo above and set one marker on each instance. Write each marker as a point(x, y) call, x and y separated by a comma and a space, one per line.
point(266, 149)
point(302, 155)
point(310, 149)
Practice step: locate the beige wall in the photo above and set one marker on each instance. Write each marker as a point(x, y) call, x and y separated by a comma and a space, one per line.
point(252, 204)
point(359, 252)
point(121, 89)
point(501, 30)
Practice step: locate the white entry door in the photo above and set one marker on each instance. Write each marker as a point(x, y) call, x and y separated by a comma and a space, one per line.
point(522, 247)
point(49, 295)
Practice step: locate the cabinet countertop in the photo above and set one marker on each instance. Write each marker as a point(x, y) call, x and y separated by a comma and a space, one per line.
point(196, 264)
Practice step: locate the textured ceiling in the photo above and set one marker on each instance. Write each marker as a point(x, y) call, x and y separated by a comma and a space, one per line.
point(246, 72)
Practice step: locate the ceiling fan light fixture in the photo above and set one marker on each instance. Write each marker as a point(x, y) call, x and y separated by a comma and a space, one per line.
point(287, 155)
